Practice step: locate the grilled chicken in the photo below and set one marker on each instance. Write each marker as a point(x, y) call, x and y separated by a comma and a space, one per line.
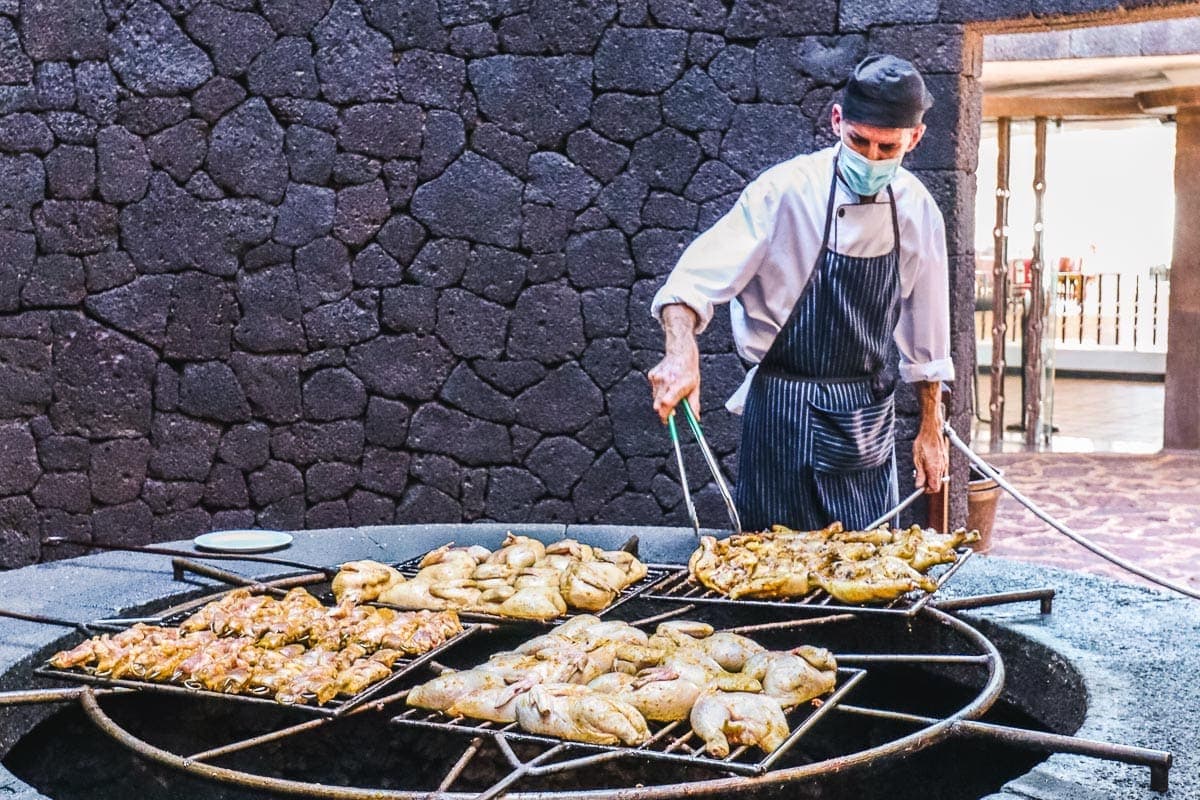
point(852, 566)
point(875, 580)
point(247, 643)
point(725, 719)
point(580, 714)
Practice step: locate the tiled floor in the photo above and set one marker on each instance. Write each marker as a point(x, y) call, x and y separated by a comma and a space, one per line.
point(1091, 415)
point(1104, 476)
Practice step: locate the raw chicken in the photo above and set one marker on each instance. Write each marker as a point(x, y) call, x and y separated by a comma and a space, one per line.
point(361, 581)
point(730, 650)
point(723, 719)
point(442, 692)
point(580, 714)
point(535, 602)
point(496, 704)
point(794, 677)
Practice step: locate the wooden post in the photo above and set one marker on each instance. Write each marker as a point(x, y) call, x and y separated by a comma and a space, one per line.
point(1000, 282)
point(1034, 318)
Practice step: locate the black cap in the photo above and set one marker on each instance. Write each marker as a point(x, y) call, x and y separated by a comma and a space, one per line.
point(887, 92)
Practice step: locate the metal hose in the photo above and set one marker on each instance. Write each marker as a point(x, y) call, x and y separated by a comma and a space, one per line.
point(1079, 539)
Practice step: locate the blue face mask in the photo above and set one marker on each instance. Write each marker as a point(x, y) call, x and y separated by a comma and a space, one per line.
point(864, 176)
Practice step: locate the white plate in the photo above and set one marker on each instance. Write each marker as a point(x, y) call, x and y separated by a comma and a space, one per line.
point(243, 541)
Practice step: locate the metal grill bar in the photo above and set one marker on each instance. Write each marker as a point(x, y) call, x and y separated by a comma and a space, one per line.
point(1044, 596)
point(908, 658)
point(682, 587)
point(662, 745)
point(788, 624)
point(460, 765)
point(1158, 761)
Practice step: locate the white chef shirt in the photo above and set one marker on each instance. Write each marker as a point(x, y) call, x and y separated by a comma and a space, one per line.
point(758, 257)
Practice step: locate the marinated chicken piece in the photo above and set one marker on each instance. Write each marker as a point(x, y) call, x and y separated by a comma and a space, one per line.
point(876, 580)
point(496, 704)
point(613, 631)
point(634, 569)
point(444, 690)
point(694, 665)
point(632, 658)
point(575, 624)
point(537, 576)
point(447, 563)
point(413, 595)
point(349, 647)
point(796, 676)
point(661, 694)
point(590, 586)
point(535, 602)
point(518, 552)
point(580, 714)
point(725, 719)
point(854, 566)
point(773, 583)
point(679, 633)
point(362, 581)
point(458, 594)
point(730, 650)
point(556, 667)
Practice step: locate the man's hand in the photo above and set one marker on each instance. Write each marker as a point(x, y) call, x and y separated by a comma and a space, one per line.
point(929, 447)
point(678, 374)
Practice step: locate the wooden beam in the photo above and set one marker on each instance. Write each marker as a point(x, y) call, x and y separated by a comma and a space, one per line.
point(1168, 100)
point(1032, 107)
point(1000, 283)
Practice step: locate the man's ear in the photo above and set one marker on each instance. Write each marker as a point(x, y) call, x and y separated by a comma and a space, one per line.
point(918, 132)
point(835, 120)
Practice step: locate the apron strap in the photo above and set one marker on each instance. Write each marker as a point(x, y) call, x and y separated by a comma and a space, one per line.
point(895, 219)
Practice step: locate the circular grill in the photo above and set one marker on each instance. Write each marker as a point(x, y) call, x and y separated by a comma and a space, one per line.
point(462, 760)
point(947, 642)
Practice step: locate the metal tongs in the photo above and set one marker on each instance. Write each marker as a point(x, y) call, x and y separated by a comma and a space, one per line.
point(713, 467)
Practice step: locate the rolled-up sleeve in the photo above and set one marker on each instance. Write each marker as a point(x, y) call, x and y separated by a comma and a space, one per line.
point(719, 262)
point(923, 333)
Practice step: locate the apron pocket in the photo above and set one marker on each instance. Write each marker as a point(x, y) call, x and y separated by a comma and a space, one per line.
point(853, 440)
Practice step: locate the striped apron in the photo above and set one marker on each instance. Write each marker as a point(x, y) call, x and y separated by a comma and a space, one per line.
point(818, 426)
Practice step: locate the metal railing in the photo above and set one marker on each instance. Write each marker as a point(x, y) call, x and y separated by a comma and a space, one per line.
point(1105, 311)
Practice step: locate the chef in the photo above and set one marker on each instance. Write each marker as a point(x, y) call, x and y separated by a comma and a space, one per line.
point(828, 261)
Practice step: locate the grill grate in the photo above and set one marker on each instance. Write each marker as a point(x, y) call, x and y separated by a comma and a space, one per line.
point(682, 588)
point(669, 741)
point(401, 668)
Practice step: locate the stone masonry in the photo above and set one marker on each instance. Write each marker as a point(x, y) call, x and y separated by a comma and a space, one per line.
point(315, 263)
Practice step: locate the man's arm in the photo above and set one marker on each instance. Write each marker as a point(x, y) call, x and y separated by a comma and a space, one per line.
point(929, 448)
point(678, 374)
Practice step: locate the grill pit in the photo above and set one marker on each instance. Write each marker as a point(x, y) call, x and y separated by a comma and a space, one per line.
point(66, 755)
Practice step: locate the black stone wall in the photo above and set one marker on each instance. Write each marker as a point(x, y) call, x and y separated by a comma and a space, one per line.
point(302, 263)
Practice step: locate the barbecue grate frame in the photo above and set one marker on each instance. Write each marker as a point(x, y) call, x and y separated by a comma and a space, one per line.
point(684, 589)
point(401, 669)
point(669, 741)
